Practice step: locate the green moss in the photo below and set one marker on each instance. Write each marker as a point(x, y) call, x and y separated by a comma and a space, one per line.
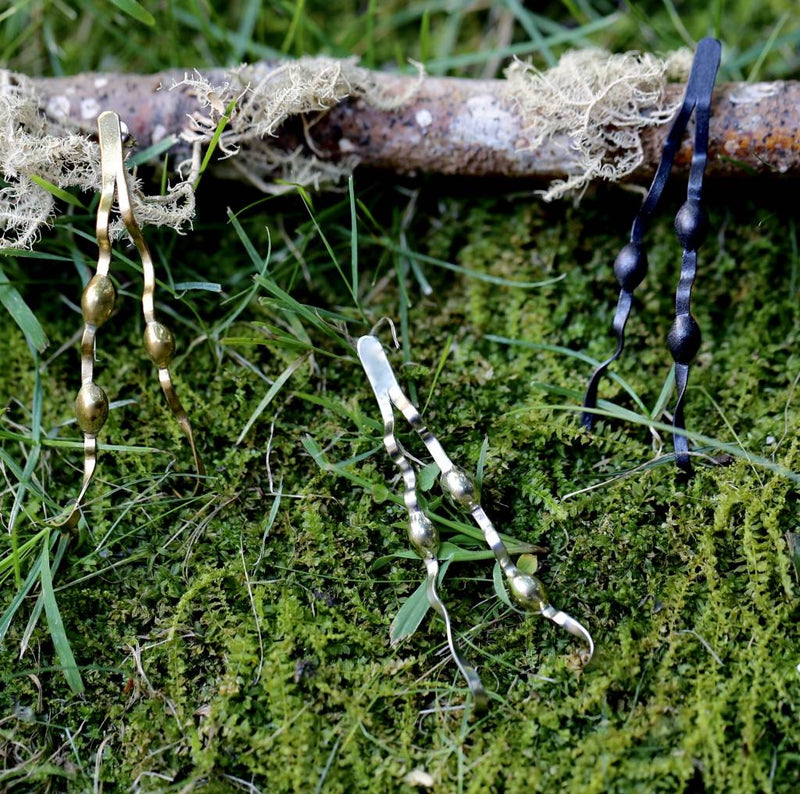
point(285, 676)
point(221, 643)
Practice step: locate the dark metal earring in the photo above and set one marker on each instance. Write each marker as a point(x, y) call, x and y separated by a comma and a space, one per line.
point(691, 227)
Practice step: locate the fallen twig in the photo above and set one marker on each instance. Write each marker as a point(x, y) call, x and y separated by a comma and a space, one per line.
point(450, 125)
point(313, 120)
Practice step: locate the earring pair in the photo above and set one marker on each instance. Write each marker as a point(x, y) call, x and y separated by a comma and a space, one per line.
point(97, 305)
point(526, 590)
point(691, 228)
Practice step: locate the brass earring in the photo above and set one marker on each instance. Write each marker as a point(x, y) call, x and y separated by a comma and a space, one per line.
point(97, 304)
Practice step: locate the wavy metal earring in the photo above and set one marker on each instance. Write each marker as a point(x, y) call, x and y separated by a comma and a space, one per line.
point(526, 590)
point(691, 227)
point(97, 304)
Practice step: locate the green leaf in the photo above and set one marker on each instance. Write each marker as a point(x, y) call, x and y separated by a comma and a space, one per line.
point(410, 615)
point(22, 314)
point(447, 552)
point(426, 478)
point(136, 10)
point(528, 563)
point(500, 586)
point(56, 625)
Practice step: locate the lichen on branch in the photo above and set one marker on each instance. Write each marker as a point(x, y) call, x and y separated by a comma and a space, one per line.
point(33, 146)
point(597, 105)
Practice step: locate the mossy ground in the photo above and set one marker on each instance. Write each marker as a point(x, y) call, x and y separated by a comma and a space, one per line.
point(223, 646)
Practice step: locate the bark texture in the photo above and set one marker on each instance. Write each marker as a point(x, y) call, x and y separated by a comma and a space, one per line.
point(451, 126)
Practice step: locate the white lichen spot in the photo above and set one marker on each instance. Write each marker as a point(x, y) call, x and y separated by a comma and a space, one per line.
point(58, 107)
point(100, 82)
point(424, 118)
point(159, 132)
point(755, 92)
point(90, 108)
point(484, 122)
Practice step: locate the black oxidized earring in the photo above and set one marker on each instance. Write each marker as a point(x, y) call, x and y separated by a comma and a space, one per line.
point(691, 227)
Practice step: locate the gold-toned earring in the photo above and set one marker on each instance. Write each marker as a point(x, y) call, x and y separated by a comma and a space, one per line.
point(525, 589)
point(97, 304)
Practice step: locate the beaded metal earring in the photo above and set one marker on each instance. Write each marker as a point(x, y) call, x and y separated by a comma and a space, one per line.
point(97, 304)
point(691, 227)
point(526, 590)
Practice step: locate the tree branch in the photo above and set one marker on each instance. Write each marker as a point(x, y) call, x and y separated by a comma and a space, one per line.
point(450, 126)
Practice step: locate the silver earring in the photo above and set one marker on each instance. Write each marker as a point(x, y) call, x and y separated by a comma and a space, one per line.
point(526, 590)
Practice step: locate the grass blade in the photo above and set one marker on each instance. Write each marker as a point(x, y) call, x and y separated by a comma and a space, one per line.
point(55, 190)
point(246, 242)
point(202, 286)
point(666, 393)
point(19, 597)
point(770, 43)
point(439, 367)
point(481, 463)
point(212, 146)
point(353, 239)
point(152, 152)
point(568, 36)
point(136, 11)
point(21, 314)
point(329, 248)
point(269, 396)
point(56, 625)
point(503, 340)
point(613, 411)
point(464, 271)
